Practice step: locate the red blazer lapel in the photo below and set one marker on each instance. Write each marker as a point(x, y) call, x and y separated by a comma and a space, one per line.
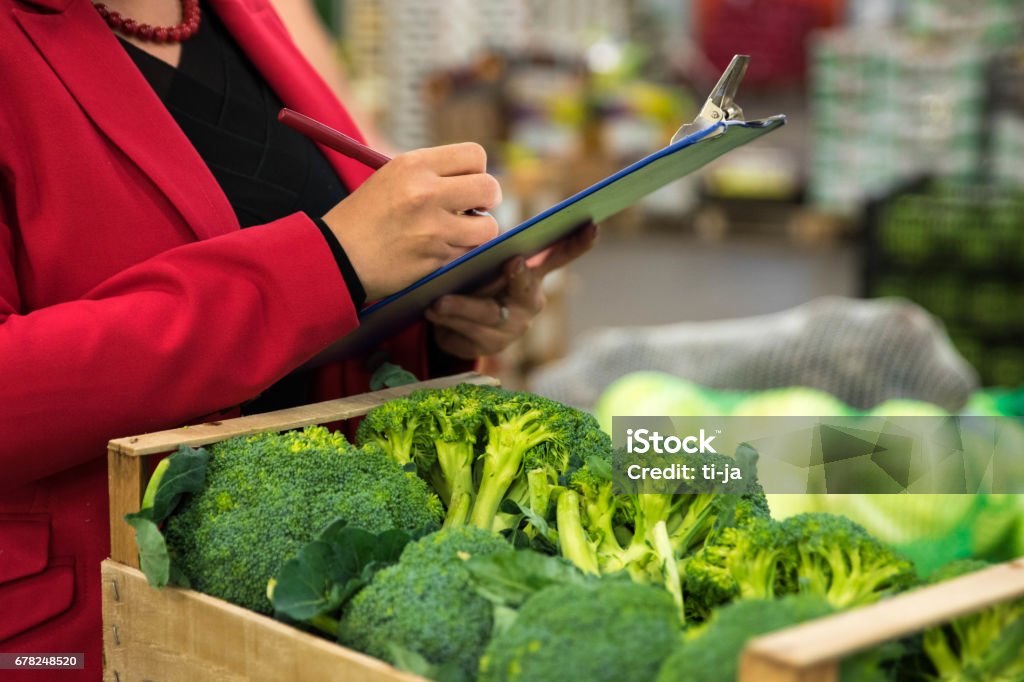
point(261, 35)
point(95, 69)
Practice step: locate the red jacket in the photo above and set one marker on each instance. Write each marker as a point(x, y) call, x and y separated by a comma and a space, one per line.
point(130, 301)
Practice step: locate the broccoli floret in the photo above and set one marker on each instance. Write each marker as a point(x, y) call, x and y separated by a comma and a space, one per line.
point(455, 419)
point(480, 445)
point(426, 604)
point(980, 646)
point(605, 631)
point(648, 534)
point(755, 561)
point(268, 494)
point(712, 652)
point(839, 560)
point(522, 433)
point(401, 428)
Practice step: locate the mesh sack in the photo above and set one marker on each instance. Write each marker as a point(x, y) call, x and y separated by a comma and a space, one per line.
point(861, 351)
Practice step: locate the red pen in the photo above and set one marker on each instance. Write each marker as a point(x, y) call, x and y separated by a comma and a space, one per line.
point(340, 142)
point(329, 137)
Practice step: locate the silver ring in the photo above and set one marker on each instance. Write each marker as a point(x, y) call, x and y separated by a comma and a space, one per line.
point(503, 315)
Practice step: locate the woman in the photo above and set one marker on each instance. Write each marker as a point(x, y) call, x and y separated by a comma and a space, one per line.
point(131, 300)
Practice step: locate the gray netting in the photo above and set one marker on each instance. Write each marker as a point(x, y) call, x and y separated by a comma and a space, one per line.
point(861, 351)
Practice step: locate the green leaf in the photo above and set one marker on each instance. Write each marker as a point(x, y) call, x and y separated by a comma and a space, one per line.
point(411, 662)
point(185, 473)
point(331, 569)
point(536, 521)
point(542, 544)
point(516, 537)
point(303, 587)
point(153, 557)
point(601, 468)
point(508, 506)
point(154, 482)
point(510, 578)
point(389, 375)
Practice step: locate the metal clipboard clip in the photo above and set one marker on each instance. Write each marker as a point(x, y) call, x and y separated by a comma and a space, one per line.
point(720, 106)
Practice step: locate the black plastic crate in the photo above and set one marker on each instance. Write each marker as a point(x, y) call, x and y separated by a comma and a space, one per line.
point(958, 251)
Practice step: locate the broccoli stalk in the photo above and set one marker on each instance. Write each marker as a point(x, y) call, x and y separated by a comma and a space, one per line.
point(540, 489)
point(454, 429)
point(572, 539)
point(154, 483)
point(519, 437)
point(669, 568)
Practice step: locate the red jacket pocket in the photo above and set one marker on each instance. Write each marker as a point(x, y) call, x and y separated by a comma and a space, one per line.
point(36, 599)
point(24, 545)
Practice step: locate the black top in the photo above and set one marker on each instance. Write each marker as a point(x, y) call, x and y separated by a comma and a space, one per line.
point(267, 170)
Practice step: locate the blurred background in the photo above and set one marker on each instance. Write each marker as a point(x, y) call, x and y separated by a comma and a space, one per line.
point(867, 257)
point(898, 173)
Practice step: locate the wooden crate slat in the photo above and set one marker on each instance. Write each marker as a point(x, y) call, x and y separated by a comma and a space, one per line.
point(292, 418)
point(126, 484)
point(757, 668)
point(174, 635)
point(814, 645)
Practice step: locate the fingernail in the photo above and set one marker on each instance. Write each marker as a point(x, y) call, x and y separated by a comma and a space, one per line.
point(444, 306)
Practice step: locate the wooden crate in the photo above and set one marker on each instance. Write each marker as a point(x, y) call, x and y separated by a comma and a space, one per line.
point(811, 652)
point(178, 635)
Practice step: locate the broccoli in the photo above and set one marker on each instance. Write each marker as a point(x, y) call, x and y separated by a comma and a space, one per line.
point(607, 630)
point(400, 428)
point(268, 494)
point(455, 417)
point(839, 560)
point(751, 562)
point(648, 534)
point(822, 554)
point(425, 604)
point(480, 446)
point(980, 646)
point(712, 652)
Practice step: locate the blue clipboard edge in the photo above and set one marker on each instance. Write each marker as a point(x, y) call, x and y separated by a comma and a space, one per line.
point(363, 337)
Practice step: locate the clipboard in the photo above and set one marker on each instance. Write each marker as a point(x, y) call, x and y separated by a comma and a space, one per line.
point(718, 129)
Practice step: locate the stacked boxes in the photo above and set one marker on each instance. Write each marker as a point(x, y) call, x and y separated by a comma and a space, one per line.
point(959, 252)
point(890, 104)
point(886, 108)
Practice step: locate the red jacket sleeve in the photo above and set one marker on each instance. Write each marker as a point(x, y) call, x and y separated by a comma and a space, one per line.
point(196, 329)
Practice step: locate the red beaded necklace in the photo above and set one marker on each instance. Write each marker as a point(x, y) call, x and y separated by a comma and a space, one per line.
point(154, 34)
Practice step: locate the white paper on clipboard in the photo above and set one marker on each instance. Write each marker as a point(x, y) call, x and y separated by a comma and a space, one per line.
point(596, 203)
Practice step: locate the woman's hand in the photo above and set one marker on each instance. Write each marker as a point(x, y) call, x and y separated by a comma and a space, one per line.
point(490, 319)
point(404, 221)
